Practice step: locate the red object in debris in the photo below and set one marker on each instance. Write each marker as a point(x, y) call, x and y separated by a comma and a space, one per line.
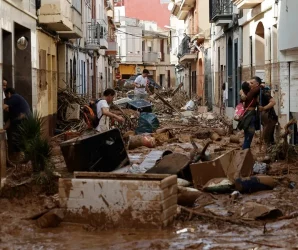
point(70, 135)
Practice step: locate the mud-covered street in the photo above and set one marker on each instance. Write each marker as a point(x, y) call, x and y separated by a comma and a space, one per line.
point(197, 233)
point(221, 225)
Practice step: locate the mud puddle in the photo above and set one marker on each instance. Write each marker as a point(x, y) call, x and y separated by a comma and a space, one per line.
point(191, 235)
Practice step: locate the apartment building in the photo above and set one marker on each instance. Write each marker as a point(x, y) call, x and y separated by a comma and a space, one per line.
point(76, 50)
point(286, 70)
point(194, 48)
point(143, 45)
point(17, 63)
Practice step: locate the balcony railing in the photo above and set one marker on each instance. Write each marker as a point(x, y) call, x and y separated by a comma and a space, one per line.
point(220, 10)
point(150, 57)
point(186, 52)
point(97, 35)
point(184, 47)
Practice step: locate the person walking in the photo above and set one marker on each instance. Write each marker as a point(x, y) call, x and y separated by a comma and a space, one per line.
point(141, 85)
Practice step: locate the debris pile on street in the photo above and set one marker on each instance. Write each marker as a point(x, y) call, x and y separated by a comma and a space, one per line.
point(214, 180)
point(69, 115)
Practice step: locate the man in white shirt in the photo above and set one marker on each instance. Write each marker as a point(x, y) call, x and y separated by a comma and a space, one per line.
point(103, 111)
point(141, 85)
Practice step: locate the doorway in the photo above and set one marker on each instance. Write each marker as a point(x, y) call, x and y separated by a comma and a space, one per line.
point(230, 72)
point(22, 66)
point(260, 46)
point(161, 79)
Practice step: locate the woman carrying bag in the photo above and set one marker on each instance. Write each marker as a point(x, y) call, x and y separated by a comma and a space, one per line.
point(249, 119)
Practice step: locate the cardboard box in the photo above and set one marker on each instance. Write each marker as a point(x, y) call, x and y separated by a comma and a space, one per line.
point(232, 165)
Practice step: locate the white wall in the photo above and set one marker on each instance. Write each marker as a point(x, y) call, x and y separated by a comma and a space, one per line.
point(288, 18)
point(177, 30)
point(130, 45)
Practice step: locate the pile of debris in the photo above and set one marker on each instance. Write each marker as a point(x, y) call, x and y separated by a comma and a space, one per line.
point(70, 115)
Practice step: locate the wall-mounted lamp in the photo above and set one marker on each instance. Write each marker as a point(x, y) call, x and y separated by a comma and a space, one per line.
point(22, 43)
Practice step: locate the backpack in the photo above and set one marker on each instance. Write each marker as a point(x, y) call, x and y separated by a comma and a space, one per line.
point(266, 92)
point(90, 113)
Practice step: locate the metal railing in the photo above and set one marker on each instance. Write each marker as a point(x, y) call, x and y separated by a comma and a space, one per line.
point(96, 30)
point(220, 7)
point(184, 47)
point(150, 57)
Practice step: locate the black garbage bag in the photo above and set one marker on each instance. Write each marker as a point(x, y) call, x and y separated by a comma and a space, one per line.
point(148, 123)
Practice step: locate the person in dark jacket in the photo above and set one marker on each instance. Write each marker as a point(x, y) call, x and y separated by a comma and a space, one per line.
point(18, 109)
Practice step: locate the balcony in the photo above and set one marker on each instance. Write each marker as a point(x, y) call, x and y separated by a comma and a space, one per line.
point(76, 31)
point(112, 47)
point(150, 57)
point(220, 12)
point(186, 52)
point(185, 7)
point(97, 35)
point(246, 4)
point(56, 15)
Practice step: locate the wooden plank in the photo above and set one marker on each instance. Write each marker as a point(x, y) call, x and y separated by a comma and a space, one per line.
point(167, 103)
point(119, 176)
point(177, 89)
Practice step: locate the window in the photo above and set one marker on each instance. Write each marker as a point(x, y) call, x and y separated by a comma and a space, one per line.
point(162, 52)
point(77, 4)
point(70, 80)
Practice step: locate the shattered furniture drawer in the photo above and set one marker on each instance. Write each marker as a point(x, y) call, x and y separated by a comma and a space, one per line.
point(116, 200)
point(99, 152)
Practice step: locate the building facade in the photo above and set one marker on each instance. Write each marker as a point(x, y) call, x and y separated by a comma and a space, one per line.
point(69, 44)
point(142, 45)
point(226, 62)
point(194, 47)
point(18, 64)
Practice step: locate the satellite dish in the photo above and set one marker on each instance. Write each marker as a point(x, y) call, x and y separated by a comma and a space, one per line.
point(170, 6)
point(22, 43)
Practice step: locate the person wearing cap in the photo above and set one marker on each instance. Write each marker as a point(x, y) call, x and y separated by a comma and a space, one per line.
point(141, 85)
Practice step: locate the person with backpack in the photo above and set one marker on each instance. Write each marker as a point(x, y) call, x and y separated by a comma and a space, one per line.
point(103, 114)
point(268, 116)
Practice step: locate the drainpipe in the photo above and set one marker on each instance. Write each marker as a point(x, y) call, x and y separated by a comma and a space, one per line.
point(289, 91)
point(240, 50)
point(190, 83)
point(94, 57)
point(67, 61)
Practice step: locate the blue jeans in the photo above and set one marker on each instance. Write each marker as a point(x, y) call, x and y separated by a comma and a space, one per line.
point(249, 133)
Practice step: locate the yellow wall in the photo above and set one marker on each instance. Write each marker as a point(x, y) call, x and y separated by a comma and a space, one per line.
point(127, 69)
point(46, 75)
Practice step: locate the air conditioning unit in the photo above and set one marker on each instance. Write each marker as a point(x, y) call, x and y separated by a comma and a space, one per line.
point(159, 55)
